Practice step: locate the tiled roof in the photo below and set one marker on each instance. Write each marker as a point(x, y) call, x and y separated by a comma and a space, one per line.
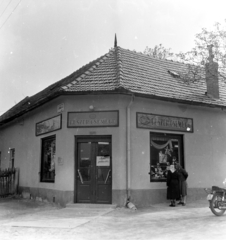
point(123, 70)
point(142, 74)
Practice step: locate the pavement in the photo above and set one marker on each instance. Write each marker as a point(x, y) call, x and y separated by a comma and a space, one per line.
point(29, 219)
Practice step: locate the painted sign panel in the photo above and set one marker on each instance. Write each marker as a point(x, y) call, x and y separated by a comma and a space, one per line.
point(102, 161)
point(162, 122)
point(93, 119)
point(48, 125)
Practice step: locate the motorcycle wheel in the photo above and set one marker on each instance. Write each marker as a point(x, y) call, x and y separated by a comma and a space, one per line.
point(214, 205)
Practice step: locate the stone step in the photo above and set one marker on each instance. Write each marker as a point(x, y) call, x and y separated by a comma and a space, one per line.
point(90, 206)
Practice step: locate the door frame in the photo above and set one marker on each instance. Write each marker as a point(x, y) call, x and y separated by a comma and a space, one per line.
point(76, 141)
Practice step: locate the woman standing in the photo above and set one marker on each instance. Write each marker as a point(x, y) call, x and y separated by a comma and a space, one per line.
point(183, 184)
point(173, 184)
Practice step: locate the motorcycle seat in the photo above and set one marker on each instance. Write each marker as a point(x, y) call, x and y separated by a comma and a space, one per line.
point(215, 188)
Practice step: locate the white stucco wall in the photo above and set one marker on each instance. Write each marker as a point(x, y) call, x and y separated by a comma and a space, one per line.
point(28, 146)
point(204, 150)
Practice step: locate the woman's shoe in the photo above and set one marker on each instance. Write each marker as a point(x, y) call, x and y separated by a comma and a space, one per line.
point(183, 204)
point(180, 203)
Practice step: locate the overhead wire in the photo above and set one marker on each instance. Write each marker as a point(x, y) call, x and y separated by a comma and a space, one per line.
point(1, 3)
point(7, 19)
point(5, 8)
point(10, 14)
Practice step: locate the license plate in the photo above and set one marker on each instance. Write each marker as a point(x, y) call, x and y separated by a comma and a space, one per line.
point(209, 197)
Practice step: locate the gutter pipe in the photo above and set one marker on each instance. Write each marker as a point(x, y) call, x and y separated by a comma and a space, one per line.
point(128, 157)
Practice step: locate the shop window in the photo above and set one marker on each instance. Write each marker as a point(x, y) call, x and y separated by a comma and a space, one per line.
point(164, 150)
point(48, 159)
point(12, 158)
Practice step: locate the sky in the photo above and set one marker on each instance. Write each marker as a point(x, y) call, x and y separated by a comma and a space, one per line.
point(43, 41)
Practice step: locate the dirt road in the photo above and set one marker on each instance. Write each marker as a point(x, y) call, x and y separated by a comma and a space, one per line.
point(26, 219)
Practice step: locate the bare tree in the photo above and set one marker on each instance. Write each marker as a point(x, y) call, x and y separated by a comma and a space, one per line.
point(159, 51)
point(208, 43)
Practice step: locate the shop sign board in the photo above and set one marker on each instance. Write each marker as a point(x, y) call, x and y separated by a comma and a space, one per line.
point(49, 125)
point(93, 119)
point(163, 122)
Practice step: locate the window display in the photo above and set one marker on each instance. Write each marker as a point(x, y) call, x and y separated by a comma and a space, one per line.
point(164, 150)
point(48, 159)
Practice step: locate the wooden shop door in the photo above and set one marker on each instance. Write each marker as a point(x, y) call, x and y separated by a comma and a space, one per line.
point(93, 170)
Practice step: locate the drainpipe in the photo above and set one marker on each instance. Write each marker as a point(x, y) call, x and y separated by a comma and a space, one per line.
point(128, 160)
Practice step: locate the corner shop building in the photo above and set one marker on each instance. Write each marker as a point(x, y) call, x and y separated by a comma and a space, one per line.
point(107, 132)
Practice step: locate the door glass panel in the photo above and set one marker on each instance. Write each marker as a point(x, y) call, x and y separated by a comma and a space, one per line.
point(103, 149)
point(85, 160)
point(103, 162)
point(103, 175)
point(103, 155)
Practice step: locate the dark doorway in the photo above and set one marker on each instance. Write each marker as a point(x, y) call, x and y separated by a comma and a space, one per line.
point(93, 170)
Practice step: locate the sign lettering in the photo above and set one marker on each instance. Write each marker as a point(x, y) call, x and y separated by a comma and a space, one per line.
point(93, 119)
point(161, 122)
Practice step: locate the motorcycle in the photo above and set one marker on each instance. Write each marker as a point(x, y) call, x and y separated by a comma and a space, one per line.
point(217, 200)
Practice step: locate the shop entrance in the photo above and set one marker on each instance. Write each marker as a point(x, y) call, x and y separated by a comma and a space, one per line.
point(93, 170)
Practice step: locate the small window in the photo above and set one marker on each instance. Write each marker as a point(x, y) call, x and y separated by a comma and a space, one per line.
point(12, 158)
point(48, 159)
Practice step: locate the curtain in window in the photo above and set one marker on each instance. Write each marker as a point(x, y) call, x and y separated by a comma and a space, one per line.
point(158, 146)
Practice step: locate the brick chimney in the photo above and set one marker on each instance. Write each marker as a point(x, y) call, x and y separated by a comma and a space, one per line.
point(211, 69)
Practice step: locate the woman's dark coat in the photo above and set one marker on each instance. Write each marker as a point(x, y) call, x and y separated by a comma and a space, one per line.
point(183, 184)
point(173, 184)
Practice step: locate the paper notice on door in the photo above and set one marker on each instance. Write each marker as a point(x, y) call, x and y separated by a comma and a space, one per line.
point(103, 161)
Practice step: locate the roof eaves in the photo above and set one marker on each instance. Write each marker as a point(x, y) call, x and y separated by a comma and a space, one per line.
point(28, 108)
point(90, 92)
point(177, 100)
